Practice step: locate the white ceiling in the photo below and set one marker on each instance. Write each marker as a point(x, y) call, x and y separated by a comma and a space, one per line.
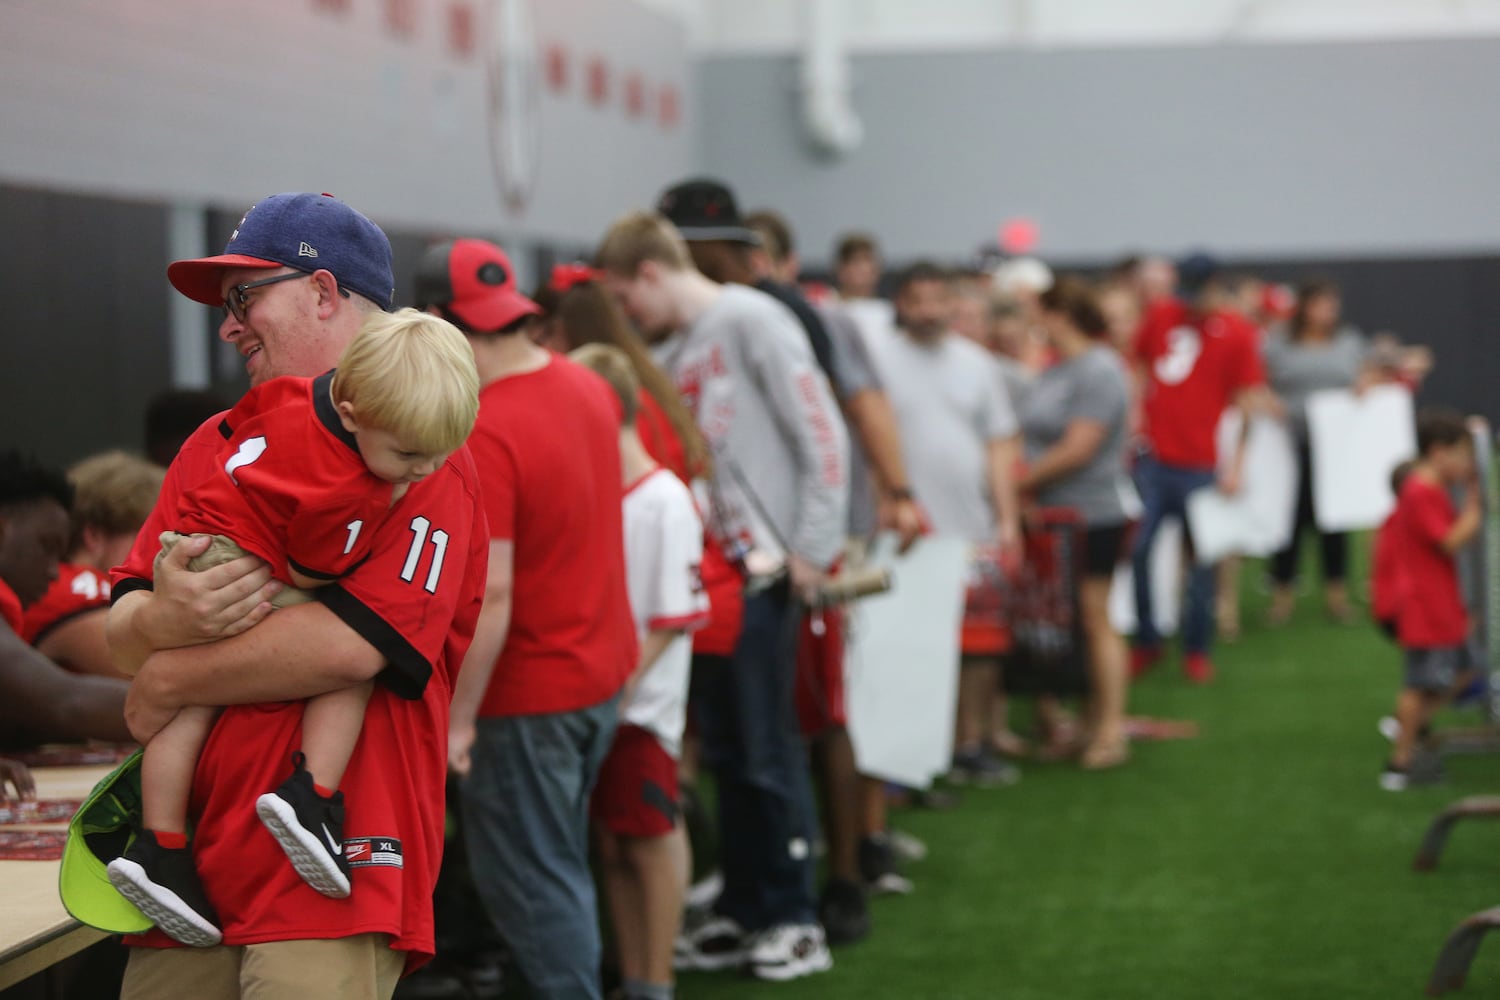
point(733, 26)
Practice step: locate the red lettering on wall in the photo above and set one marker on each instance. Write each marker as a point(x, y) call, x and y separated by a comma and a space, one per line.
point(401, 18)
point(668, 111)
point(461, 29)
point(557, 68)
point(598, 81)
point(635, 95)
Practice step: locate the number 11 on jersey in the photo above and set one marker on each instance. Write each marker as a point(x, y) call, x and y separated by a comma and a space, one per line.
point(420, 527)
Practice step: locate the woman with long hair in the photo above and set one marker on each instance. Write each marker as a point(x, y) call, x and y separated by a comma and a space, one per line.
point(1074, 422)
point(1316, 350)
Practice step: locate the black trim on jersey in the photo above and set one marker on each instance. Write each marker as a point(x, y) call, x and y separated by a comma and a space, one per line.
point(311, 574)
point(327, 413)
point(129, 585)
point(53, 625)
point(407, 670)
point(225, 430)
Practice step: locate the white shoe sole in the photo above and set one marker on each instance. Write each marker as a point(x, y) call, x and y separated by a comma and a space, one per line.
point(162, 906)
point(819, 961)
point(311, 858)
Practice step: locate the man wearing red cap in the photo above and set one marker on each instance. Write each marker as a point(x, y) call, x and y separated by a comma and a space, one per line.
point(299, 275)
point(535, 707)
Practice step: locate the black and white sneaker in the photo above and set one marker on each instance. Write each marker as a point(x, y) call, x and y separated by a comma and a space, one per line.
point(1394, 779)
point(718, 943)
point(310, 829)
point(877, 866)
point(790, 951)
point(163, 885)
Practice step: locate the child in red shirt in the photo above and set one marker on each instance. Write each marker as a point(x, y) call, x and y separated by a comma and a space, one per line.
point(1431, 622)
point(308, 471)
point(1387, 579)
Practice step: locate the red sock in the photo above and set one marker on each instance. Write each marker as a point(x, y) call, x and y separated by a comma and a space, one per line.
point(171, 841)
point(327, 793)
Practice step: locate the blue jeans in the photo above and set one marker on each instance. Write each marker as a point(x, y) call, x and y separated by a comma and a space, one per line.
point(1164, 492)
point(526, 823)
point(751, 742)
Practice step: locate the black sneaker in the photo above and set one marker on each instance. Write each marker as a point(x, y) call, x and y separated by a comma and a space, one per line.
point(877, 866)
point(843, 912)
point(163, 885)
point(310, 829)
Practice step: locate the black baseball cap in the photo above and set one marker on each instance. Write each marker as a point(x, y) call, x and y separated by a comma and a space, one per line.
point(704, 209)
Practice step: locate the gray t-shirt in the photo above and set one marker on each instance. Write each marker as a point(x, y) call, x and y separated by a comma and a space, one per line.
point(748, 375)
point(950, 403)
point(856, 374)
point(1297, 369)
point(1091, 386)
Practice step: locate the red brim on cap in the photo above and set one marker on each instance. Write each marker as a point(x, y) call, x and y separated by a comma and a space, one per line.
point(495, 311)
point(202, 280)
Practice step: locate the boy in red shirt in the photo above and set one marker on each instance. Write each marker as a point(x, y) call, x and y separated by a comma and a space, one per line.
point(1431, 622)
point(1195, 361)
point(308, 471)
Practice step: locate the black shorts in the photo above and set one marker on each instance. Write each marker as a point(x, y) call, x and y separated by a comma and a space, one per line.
point(1434, 670)
point(1103, 549)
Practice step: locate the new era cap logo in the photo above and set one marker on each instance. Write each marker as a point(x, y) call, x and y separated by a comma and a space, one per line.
point(306, 250)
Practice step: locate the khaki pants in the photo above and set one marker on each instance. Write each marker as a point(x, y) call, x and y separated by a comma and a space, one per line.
point(354, 968)
point(222, 550)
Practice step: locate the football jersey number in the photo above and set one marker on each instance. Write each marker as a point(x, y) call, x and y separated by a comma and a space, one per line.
point(89, 587)
point(420, 527)
point(1184, 346)
point(248, 453)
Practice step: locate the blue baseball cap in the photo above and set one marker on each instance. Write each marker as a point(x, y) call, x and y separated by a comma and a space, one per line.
point(307, 232)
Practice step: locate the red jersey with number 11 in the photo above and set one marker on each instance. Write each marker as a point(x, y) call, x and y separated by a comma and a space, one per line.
point(290, 485)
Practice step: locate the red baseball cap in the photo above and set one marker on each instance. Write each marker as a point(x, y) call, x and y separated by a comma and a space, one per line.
point(474, 281)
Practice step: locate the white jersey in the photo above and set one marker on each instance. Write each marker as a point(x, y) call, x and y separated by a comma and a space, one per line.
point(663, 551)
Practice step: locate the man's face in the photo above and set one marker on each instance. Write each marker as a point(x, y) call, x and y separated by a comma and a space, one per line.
point(645, 301)
point(284, 331)
point(922, 309)
point(858, 276)
point(969, 317)
point(33, 538)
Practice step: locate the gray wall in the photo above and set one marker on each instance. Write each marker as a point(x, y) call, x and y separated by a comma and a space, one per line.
point(1256, 150)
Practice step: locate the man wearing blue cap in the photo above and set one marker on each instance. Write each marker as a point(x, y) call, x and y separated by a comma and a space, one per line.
point(297, 278)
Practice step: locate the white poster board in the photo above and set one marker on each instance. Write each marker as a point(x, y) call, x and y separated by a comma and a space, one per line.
point(902, 659)
point(1258, 520)
point(1356, 442)
point(1166, 584)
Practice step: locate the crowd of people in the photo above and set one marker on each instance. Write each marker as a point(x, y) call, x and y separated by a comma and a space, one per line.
point(541, 562)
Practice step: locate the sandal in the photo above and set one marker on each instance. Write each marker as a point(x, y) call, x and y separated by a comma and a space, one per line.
point(1102, 756)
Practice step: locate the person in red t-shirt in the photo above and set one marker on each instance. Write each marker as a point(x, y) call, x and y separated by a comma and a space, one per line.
point(1432, 624)
point(39, 701)
point(113, 493)
point(1387, 574)
point(536, 704)
point(301, 273)
point(308, 471)
point(1195, 361)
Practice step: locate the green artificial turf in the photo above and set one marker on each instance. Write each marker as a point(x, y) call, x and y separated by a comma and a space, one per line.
point(1259, 860)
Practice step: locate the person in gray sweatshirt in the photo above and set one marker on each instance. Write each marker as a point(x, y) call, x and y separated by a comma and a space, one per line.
point(780, 495)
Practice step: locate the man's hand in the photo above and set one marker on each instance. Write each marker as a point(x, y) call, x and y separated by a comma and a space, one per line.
point(1231, 480)
point(1012, 548)
point(188, 608)
point(18, 777)
point(904, 517)
point(804, 578)
point(460, 744)
point(147, 708)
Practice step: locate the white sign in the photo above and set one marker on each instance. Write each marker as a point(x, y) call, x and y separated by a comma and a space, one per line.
point(902, 659)
point(1257, 520)
point(1356, 442)
point(1166, 584)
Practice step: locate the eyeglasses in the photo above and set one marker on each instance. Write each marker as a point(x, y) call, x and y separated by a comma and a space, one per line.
point(236, 302)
